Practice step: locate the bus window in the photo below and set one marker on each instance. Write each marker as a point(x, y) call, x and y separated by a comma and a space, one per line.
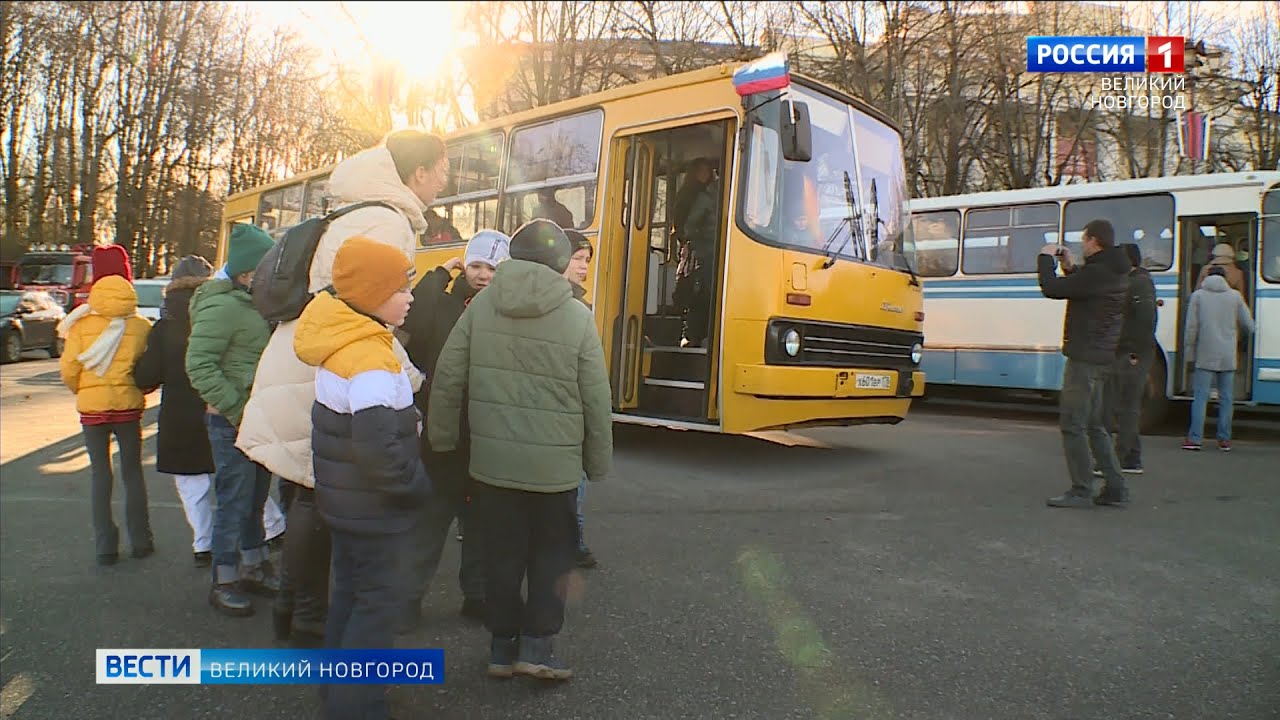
point(319, 202)
point(1271, 237)
point(475, 165)
point(884, 189)
point(1007, 240)
point(552, 171)
point(469, 217)
point(269, 210)
point(935, 242)
point(469, 201)
point(291, 206)
point(762, 180)
point(1144, 220)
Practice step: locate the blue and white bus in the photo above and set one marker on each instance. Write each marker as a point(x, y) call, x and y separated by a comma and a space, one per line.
point(988, 326)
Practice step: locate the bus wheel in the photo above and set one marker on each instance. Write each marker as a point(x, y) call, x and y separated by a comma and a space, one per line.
point(1155, 404)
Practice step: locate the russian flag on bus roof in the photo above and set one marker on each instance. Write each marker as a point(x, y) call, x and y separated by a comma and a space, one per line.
point(771, 72)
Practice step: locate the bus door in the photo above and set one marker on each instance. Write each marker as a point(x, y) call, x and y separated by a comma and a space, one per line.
point(656, 370)
point(1200, 235)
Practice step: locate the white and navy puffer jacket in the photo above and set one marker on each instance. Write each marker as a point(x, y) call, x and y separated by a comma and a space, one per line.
point(364, 425)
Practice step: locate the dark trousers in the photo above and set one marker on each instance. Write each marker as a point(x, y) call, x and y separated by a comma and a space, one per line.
point(362, 614)
point(531, 536)
point(426, 545)
point(241, 487)
point(1124, 407)
point(97, 441)
point(304, 580)
point(1084, 428)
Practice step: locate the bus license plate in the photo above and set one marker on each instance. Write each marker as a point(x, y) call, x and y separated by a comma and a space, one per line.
point(873, 382)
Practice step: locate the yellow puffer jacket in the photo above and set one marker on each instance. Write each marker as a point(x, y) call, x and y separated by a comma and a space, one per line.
point(111, 297)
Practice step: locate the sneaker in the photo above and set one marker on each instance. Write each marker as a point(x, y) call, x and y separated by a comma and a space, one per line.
point(538, 660)
point(143, 552)
point(108, 559)
point(1224, 445)
point(202, 559)
point(502, 656)
point(586, 559)
point(1132, 469)
point(1070, 500)
point(1097, 471)
point(260, 579)
point(1106, 497)
point(473, 609)
point(1189, 445)
point(227, 599)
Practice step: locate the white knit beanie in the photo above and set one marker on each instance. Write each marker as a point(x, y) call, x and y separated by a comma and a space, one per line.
point(489, 247)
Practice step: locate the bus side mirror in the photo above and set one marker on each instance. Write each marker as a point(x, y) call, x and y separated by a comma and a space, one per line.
point(797, 132)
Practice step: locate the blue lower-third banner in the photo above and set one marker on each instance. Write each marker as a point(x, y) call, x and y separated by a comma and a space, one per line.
point(270, 667)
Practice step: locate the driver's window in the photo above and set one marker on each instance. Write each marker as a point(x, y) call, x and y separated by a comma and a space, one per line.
point(762, 177)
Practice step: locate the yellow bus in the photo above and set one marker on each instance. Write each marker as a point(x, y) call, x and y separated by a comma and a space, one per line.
point(815, 315)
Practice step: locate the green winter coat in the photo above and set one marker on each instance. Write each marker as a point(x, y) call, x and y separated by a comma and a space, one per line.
point(529, 360)
point(227, 338)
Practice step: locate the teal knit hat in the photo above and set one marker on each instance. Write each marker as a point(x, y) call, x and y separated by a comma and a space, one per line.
point(246, 247)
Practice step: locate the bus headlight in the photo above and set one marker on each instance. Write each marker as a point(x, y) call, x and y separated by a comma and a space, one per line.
point(917, 352)
point(791, 343)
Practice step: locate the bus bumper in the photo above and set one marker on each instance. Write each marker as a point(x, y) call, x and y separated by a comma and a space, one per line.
point(780, 381)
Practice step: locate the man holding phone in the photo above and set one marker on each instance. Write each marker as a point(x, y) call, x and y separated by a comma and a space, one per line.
point(1095, 291)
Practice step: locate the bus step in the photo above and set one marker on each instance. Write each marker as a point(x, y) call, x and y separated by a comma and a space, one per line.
point(677, 363)
point(673, 399)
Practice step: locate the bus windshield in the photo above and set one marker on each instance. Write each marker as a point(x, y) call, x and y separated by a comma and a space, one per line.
point(848, 201)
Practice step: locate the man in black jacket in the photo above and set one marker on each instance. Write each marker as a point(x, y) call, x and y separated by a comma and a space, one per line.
point(1134, 356)
point(1095, 294)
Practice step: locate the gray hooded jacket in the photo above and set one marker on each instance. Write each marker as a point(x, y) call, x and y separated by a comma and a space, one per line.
point(1213, 315)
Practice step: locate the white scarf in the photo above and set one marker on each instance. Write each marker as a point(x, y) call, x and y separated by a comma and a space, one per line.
point(98, 357)
point(64, 325)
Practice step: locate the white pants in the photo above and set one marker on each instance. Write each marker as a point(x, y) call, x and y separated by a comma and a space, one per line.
point(196, 492)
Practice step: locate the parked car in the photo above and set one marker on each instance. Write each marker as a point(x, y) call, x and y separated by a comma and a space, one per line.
point(151, 296)
point(29, 321)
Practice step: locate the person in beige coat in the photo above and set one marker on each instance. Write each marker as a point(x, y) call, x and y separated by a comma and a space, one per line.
point(1224, 256)
point(407, 172)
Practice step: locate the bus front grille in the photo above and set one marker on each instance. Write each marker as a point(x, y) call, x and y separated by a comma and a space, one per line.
point(831, 345)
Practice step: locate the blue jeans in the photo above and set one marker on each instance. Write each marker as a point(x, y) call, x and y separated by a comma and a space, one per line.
point(582, 521)
point(241, 487)
point(363, 602)
point(1200, 382)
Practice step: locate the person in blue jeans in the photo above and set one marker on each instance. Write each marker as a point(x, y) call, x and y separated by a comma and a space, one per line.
point(576, 273)
point(1214, 314)
point(227, 338)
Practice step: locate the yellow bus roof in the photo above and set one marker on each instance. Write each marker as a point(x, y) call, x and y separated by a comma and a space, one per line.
point(722, 71)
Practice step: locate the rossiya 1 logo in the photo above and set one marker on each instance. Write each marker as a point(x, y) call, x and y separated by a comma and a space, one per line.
point(1142, 72)
point(1153, 54)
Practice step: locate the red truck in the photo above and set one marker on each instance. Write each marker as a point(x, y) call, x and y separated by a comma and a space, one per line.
point(63, 271)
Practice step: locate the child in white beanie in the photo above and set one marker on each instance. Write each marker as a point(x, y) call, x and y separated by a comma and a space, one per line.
point(436, 309)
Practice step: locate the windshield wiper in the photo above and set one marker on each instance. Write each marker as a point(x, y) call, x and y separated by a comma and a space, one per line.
point(854, 229)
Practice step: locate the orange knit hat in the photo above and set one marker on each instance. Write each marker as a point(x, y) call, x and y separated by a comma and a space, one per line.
point(366, 273)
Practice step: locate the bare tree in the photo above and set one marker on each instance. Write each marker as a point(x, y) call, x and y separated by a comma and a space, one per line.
point(1257, 55)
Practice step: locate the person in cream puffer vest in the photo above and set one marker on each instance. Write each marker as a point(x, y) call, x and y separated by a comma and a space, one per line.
point(406, 173)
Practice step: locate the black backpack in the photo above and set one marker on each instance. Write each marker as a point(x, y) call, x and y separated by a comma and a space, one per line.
point(281, 279)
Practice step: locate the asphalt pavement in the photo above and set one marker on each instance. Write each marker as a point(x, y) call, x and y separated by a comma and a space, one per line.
point(872, 573)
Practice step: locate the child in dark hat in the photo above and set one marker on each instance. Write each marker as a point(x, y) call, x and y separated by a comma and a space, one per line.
point(539, 408)
point(182, 445)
